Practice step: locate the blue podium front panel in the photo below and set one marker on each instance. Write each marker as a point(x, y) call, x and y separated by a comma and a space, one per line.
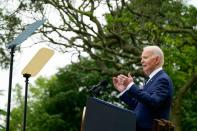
point(103, 116)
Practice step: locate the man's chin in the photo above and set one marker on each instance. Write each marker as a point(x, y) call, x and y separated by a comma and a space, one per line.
point(146, 72)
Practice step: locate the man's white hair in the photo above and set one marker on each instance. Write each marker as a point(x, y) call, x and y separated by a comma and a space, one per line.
point(156, 51)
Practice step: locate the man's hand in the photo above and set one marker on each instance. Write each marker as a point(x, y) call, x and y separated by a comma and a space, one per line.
point(121, 81)
point(118, 84)
point(128, 80)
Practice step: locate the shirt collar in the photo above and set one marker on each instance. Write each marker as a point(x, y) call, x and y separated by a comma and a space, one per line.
point(155, 72)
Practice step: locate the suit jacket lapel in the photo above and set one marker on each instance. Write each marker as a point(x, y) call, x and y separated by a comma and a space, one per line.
point(152, 79)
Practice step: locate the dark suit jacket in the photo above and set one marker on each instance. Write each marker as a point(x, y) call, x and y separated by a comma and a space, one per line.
point(151, 102)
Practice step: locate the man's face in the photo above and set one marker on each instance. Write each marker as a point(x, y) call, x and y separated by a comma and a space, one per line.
point(149, 61)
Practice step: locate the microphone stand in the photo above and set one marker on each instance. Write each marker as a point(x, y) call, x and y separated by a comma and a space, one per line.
point(96, 89)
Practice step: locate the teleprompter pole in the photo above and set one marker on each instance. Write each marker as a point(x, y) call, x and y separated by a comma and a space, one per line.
point(25, 102)
point(10, 88)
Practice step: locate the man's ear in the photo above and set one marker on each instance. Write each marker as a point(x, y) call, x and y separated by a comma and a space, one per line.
point(158, 60)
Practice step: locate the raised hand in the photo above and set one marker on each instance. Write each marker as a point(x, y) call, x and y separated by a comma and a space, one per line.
point(121, 81)
point(118, 84)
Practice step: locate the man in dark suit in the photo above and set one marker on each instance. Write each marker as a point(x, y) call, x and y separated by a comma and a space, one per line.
point(153, 101)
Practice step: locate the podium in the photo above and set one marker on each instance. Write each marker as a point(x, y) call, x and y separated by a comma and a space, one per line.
point(103, 116)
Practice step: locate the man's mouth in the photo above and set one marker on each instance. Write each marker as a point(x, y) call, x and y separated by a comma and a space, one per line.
point(144, 66)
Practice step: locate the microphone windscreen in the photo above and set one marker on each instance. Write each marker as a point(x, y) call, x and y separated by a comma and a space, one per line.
point(104, 83)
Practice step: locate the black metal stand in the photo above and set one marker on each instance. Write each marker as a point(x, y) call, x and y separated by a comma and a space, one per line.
point(25, 102)
point(10, 89)
point(17, 41)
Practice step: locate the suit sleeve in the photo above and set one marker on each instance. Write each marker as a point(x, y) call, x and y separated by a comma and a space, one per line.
point(129, 100)
point(154, 98)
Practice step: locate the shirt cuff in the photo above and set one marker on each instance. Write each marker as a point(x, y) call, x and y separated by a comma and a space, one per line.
point(128, 87)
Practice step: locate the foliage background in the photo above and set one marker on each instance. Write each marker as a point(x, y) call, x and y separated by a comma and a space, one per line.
point(114, 47)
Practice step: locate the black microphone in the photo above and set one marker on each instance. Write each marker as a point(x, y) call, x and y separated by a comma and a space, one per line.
point(95, 90)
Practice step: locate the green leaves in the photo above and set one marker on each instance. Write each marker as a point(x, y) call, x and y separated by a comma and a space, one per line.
point(112, 48)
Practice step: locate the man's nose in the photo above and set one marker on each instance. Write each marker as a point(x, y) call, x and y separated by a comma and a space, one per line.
point(142, 61)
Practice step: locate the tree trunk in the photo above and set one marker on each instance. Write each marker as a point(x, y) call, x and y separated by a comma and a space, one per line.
point(176, 110)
